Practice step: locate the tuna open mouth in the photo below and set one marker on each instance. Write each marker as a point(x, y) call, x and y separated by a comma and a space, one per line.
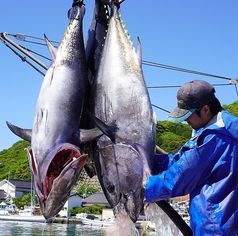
point(57, 165)
point(63, 159)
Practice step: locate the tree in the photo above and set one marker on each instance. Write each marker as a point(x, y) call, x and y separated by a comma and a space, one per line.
point(232, 108)
point(171, 136)
point(25, 200)
point(86, 190)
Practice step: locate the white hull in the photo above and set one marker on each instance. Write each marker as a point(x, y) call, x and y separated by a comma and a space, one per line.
point(31, 218)
point(98, 223)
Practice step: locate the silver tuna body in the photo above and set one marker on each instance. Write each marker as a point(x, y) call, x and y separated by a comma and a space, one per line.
point(120, 94)
point(54, 156)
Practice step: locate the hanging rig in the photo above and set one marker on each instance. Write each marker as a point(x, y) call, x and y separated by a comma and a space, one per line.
point(19, 50)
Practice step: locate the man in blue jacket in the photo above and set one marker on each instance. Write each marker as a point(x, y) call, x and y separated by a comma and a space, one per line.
point(206, 167)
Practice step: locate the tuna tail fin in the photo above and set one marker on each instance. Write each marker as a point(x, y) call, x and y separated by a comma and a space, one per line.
point(22, 133)
point(96, 36)
point(108, 130)
point(77, 3)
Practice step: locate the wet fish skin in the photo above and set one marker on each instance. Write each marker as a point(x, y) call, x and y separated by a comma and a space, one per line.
point(55, 158)
point(120, 94)
point(57, 118)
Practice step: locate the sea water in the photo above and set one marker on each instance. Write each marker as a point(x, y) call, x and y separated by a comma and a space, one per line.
point(14, 228)
point(122, 227)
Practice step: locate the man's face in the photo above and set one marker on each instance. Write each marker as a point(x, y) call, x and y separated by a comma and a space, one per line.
point(198, 121)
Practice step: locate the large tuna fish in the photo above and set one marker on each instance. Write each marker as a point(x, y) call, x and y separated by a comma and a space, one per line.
point(120, 94)
point(54, 156)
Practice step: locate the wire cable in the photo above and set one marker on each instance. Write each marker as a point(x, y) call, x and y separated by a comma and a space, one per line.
point(178, 86)
point(22, 57)
point(22, 37)
point(154, 64)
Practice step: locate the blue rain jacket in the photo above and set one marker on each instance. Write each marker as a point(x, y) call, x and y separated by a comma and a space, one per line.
point(207, 168)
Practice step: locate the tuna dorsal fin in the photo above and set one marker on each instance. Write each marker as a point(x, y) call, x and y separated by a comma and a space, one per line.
point(22, 133)
point(51, 48)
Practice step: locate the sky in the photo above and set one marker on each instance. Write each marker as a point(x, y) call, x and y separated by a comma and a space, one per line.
point(197, 35)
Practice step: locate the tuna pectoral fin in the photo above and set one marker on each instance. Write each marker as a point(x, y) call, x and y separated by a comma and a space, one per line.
point(87, 135)
point(90, 170)
point(108, 130)
point(22, 133)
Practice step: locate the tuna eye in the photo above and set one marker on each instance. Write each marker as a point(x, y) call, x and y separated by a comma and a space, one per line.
point(110, 188)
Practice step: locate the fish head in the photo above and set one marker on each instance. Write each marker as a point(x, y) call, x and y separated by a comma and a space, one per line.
point(55, 176)
point(121, 177)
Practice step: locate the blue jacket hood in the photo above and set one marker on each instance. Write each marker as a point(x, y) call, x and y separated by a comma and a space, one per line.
point(227, 124)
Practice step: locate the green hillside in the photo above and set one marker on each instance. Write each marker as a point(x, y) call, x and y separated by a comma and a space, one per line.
point(170, 137)
point(232, 108)
point(14, 162)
